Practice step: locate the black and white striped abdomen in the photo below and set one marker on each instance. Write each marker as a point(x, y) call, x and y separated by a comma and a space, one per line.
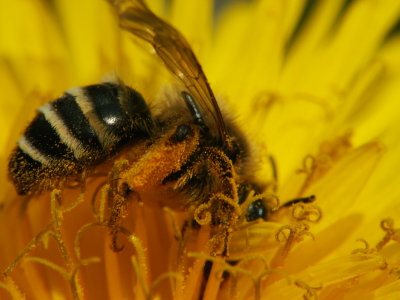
point(77, 130)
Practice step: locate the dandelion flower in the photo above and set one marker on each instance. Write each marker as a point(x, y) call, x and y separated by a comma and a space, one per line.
point(313, 85)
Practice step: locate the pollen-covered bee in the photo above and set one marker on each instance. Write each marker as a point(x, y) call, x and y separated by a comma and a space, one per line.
point(187, 158)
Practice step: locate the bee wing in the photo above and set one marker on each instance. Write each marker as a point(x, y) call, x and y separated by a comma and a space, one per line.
point(174, 51)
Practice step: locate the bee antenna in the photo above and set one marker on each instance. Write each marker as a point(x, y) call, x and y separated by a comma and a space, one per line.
point(194, 110)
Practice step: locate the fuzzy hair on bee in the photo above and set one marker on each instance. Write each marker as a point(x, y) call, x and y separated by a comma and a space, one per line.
point(184, 154)
point(81, 128)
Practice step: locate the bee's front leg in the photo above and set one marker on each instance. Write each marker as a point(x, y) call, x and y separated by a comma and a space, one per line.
point(118, 195)
point(225, 213)
point(221, 210)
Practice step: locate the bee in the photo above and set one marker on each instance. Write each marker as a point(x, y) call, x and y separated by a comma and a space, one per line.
point(186, 157)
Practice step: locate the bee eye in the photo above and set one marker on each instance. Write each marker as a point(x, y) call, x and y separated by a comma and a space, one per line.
point(181, 133)
point(256, 211)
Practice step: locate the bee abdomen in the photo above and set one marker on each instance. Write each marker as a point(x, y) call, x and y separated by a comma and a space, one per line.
point(78, 130)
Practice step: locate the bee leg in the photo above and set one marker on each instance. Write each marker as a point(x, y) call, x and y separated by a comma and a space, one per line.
point(114, 221)
point(118, 208)
point(224, 214)
point(222, 207)
point(118, 195)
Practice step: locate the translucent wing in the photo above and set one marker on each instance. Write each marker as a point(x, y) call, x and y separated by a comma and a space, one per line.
point(175, 52)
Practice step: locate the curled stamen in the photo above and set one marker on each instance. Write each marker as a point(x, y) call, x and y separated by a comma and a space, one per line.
point(280, 236)
point(364, 250)
point(217, 198)
point(310, 213)
point(387, 224)
point(309, 165)
point(77, 241)
point(103, 188)
point(202, 214)
point(309, 168)
point(391, 234)
point(295, 233)
point(311, 292)
point(273, 201)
